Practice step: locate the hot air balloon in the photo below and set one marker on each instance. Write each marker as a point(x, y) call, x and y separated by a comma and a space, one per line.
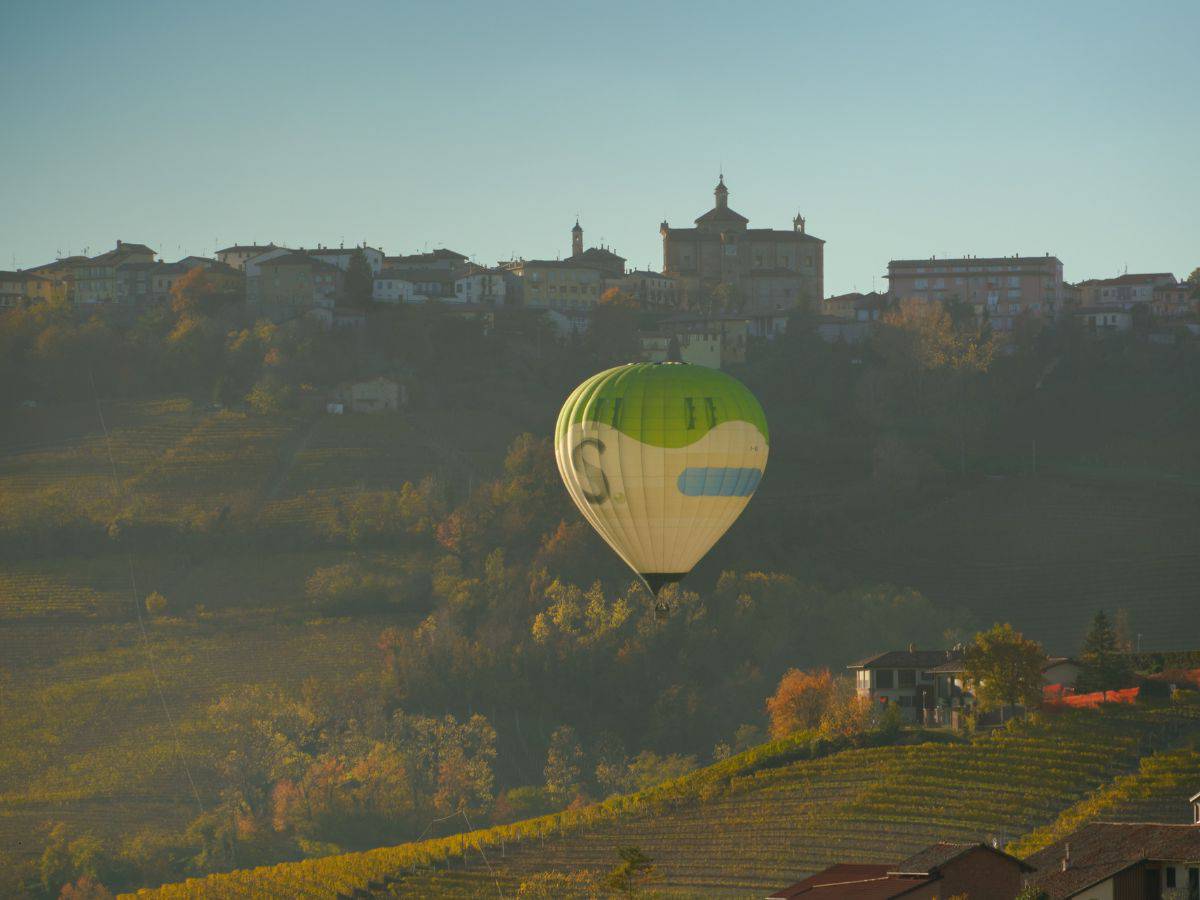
point(661, 458)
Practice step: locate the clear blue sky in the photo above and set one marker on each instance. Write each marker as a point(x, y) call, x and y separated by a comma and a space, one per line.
point(898, 129)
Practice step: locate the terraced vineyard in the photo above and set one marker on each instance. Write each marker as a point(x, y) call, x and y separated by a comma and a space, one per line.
point(1157, 792)
point(736, 830)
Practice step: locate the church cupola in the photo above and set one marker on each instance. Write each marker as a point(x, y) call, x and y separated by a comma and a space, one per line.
point(721, 192)
point(576, 241)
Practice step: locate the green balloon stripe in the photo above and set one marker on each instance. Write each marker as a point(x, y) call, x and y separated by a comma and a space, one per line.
point(662, 404)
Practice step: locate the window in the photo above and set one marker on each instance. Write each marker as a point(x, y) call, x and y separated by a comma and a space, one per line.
point(921, 284)
point(1170, 876)
point(884, 678)
point(908, 677)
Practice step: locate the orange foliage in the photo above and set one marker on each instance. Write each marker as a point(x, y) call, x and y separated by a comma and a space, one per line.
point(800, 701)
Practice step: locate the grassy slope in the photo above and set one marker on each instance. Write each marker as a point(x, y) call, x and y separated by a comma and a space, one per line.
point(83, 736)
point(758, 821)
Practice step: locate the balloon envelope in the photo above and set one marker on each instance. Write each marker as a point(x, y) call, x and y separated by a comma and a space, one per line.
point(661, 458)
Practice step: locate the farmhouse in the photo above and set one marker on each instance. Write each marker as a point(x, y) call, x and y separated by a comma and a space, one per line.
point(939, 871)
point(1122, 861)
point(927, 685)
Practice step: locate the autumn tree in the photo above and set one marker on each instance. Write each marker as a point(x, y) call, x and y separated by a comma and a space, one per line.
point(199, 293)
point(1004, 667)
point(1104, 666)
point(156, 604)
point(564, 764)
point(800, 701)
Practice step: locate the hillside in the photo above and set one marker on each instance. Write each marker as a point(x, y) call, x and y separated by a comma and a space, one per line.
point(763, 818)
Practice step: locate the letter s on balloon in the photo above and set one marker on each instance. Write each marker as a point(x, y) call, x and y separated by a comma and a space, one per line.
point(591, 475)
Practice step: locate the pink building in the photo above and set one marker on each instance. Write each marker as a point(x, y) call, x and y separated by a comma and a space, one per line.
point(1006, 287)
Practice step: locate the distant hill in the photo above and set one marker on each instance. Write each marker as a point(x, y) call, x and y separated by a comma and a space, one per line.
point(762, 819)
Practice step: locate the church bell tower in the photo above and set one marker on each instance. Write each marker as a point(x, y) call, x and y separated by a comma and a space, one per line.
point(576, 241)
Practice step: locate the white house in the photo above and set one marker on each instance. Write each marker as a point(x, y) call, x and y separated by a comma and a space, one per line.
point(480, 285)
point(393, 286)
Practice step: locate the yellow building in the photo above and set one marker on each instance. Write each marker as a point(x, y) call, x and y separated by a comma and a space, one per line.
point(96, 278)
point(19, 288)
point(62, 273)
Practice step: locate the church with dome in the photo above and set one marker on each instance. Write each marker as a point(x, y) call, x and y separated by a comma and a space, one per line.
point(723, 266)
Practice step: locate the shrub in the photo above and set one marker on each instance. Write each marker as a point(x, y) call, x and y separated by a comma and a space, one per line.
point(156, 604)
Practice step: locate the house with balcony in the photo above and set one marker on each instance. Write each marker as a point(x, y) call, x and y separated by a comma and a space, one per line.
point(927, 685)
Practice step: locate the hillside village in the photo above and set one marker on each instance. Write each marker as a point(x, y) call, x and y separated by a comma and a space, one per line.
point(723, 285)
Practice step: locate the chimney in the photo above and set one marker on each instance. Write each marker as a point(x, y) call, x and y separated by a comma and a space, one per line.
point(1066, 860)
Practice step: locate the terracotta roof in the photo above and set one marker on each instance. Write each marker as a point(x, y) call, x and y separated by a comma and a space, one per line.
point(973, 261)
point(431, 256)
point(906, 659)
point(750, 234)
point(852, 881)
point(717, 214)
point(601, 253)
point(1102, 849)
point(1144, 278)
point(242, 248)
point(938, 855)
point(297, 258)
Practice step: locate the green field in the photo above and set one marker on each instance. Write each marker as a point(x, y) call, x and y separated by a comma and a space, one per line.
point(758, 822)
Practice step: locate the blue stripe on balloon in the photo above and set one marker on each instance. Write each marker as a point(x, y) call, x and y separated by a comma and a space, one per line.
point(719, 481)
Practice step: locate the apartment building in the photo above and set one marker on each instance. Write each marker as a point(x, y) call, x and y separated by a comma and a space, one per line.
point(1004, 288)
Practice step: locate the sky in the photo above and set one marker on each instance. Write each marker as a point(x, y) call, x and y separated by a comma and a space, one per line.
point(899, 130)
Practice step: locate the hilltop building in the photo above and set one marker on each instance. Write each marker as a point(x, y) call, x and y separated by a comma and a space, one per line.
point(296, 283)
point(1124, 291)
point(95, 279)
point(441, 259)
point(239, 254)
point(565, 285)
point(1175, 301)
point(19, 288)
point(341, 256)
point(938, 872)
point(62, 273)
point(479, 284)
point(723, 265)
point(1004, 288)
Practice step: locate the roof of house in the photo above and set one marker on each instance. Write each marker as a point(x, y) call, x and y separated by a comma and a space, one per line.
point(22, 276)
point(65, 263)
point(1102, 849)
point(118, 252)
point(245, 248)
point(297, 258)
point(431, 256)
point(972, 261)
point(601, 254)
point(936, 856)
point(337, 251)
point(1139, 278)
point(906, 659)
point(851, 881)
